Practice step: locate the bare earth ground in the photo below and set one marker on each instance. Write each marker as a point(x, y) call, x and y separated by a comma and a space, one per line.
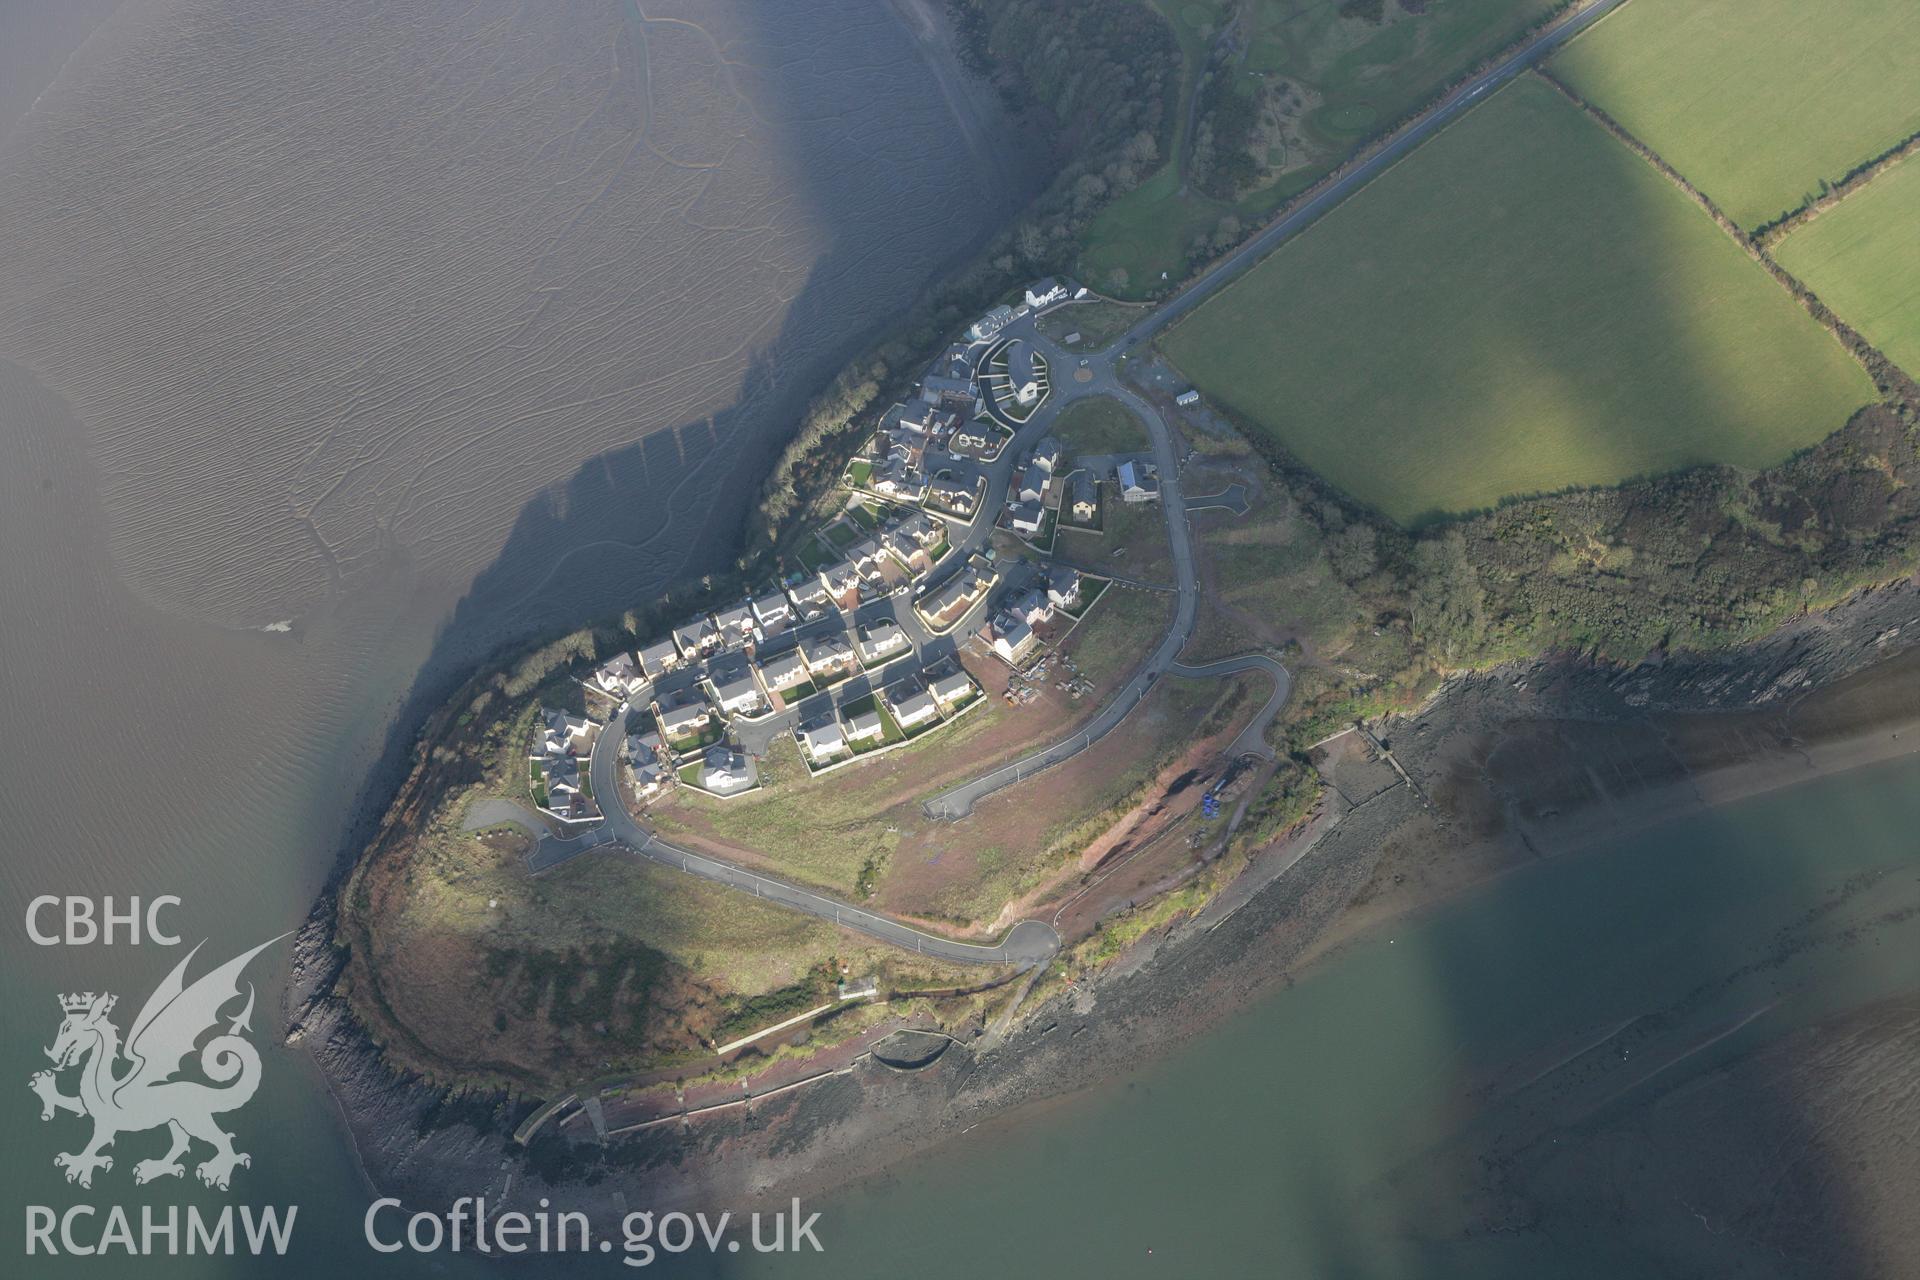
point(1380, 860)
point(865, 819)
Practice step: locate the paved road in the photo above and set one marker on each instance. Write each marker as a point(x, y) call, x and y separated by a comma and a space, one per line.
point(1029, 943)
point(1252, 740)
point(1228, 268)
point(1033, 942)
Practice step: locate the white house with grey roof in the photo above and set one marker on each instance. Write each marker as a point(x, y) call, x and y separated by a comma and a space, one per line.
point(735, 625)
point(951, 688)
point(1063, 586)
point(697, 638)
point(784, 670)
point(841, 579)
point(772, 611)
point(660, 657)
point(684, 716)
point(811, 597)
point(738, 693)
point(619, 676)
point(910, 704)
point(563, 733)
point(865, 727)
point(828, 656)
point(881, 641)
point(824, 739)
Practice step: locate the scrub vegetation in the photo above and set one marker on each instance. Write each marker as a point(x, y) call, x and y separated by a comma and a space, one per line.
point(1522, 306)
point(1277, 95)
point(1759, 103)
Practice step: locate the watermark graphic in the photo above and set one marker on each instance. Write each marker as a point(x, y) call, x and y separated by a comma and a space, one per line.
point(137, 1085)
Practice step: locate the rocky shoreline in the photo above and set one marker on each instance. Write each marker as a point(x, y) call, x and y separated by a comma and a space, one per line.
point(1524, 762)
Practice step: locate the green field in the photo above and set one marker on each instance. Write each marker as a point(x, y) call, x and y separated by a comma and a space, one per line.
point(1757, 102)
point(1859, 257)
point(1523, 305)
point(1363, 77)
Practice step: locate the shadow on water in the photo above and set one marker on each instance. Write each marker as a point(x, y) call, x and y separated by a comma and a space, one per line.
point(657, 514)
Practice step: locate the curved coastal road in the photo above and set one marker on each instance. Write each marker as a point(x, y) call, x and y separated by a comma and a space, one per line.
point(1033, 942)
point(1029, 943)
point(1252, 740)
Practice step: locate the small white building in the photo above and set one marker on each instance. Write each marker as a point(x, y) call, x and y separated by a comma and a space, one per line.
point(1187, 398)
point(991, 323)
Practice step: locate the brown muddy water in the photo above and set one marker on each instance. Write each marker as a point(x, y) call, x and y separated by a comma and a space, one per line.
point(343, 343)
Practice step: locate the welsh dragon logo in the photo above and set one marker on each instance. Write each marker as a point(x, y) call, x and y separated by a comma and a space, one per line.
point(146, 1093)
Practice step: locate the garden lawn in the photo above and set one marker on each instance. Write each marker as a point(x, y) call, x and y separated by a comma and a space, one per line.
point(1859, 257)
point(1523, 305)
point(1756, 102)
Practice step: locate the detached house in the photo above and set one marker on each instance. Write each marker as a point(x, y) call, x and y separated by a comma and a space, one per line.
point(1085, 497)
point(738, 693)
point(865, 727)
point(864, 556)
point(660, 657)
point(619, 676)
point(563, 734)
point(1063, 586)
point(841, 579)
point(735, 626)
point(829, 656)
point(687, 716)
point(647, 758)
point(950, 495)
point(773, 611)
point(951, 689)
point(1013, 639)
point(697, 638)
point(911, 705)
point(811, 597)
point(1026, 517)
point(1139, 482)
point(881, 641)
point(823, 739)
point(784, 670)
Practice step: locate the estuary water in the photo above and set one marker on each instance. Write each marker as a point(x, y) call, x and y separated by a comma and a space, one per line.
point(1687, 1053)
point(341, 344)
